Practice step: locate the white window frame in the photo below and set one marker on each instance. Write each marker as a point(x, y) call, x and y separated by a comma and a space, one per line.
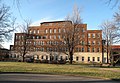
point(50, 30)
point(54, 30)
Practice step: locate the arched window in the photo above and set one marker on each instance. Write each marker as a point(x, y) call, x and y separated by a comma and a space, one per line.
point(46, 57)
point(46, 31)
point(59, 30)
point(42, 57)
point(30, 31)
point(50, 30)
point(61, 57)
point(54, 30)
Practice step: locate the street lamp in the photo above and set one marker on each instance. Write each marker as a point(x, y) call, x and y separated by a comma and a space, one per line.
point(103, 43)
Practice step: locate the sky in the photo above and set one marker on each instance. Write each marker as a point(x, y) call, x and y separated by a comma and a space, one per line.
point(93, 12)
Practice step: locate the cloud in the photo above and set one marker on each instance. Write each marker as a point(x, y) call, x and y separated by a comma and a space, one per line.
point(37, 23)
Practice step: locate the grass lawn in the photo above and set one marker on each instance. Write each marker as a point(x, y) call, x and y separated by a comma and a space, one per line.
point(66, 69)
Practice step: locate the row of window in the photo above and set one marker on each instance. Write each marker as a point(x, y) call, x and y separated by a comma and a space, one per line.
point(56, 49)
point(54, 37)
point(61, 58)
point(50, 30)
point(88, 50)
point(93, 35)
point(89, 59)
point(54, 24)
point(40, 37)
point(93, 42)
point(55, 42)
point(19, 37)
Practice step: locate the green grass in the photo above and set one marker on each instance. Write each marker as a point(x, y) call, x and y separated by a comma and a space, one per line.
point(67, 69)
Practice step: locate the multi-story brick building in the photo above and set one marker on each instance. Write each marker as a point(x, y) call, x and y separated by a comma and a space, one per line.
point(40, 41)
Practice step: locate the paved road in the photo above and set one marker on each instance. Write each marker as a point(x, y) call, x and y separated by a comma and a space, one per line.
point(42, 78)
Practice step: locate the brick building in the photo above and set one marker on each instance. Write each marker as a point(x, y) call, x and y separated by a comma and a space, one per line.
point(4, 54)
point(41, 38)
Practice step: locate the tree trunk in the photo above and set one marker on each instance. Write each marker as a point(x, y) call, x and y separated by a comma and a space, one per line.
point(71, 57)
point(23, 58)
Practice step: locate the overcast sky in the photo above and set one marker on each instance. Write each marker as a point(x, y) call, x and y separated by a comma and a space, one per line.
point(94, 12)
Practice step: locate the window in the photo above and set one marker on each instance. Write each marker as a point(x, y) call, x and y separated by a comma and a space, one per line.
point(44, 37)
point(16, 37)
point(42, 42)
point(46, 24)
point(93, 42)
point(41, 49)
point(46, 31)
point(88, 58)
point(42, 57)
point(50, 24)
point(83, 30)
point(56, 58)
point(88, 42)
point(98, 43)
point(15, 43)
point(82, 42)
point(47, 49)
point(88, 35)
point(59, 30)
point(58, 36)
point(37, 57)
point(34, 43)
point(64, 30)
point(77, 58)
point(50, 30)
point(46, 57)
point(82, 49)
point(34, 31)
point(98, 35)
point(54, 30)
point(88, 49)
point(22, 43)
point(19, 37)
point(33, 37)
point(82, 58)
point(37, 37)
point(30, 32)
point(61, 57)
point(50, 37)
point(66, 58)
point(55, 49)
point(83, 36)
point(93, 35)
point(54, 36)
point(98, 49)
point(98, 58)
point(93, 59)
point(38, 31)
point(77, 49)
point(93, 49)
point(22, 37)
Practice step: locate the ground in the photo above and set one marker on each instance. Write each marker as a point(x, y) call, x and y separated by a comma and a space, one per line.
point(43, 78)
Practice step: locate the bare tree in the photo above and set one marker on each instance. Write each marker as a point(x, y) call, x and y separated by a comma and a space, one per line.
point(112, 2)
point(72, 32)
point(7, 23)
point(25, 46)
point(110, 34)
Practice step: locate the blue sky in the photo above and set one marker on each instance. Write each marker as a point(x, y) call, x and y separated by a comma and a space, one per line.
point(94, 12)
